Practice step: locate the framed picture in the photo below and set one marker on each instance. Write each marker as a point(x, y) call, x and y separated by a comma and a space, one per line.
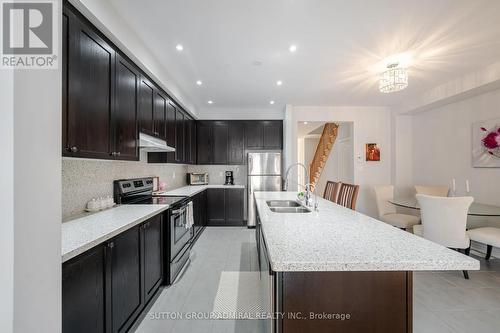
point(486, 144)
point(372, 152)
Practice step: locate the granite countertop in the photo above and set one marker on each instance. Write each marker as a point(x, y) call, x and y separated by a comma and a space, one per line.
point(191, 190)
point(81, 234)
point(339, 239)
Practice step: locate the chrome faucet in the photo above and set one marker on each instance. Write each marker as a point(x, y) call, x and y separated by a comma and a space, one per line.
point(288, 173)
point(307, 186)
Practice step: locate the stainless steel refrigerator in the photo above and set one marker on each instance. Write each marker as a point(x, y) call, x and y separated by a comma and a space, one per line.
point(264, 174)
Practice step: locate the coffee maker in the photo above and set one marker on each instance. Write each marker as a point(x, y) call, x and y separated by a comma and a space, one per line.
point(229, 178)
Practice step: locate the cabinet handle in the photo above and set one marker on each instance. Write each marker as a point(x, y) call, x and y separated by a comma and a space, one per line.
point(157, 133)
point(111, 245)
point(73, 149)
point(115, 153)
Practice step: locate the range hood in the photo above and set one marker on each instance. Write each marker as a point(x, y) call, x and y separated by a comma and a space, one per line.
point(150, 143)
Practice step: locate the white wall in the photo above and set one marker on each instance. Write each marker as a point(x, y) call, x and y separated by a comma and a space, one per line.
point(370, 124)
point(442, 146)
point(37, 201)
point(7, 201)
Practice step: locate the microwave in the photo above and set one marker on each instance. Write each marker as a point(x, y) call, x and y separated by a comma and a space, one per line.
point(197, 178)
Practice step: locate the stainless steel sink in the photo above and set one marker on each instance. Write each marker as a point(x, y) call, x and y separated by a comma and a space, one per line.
point(283, 203)
point(294, 210)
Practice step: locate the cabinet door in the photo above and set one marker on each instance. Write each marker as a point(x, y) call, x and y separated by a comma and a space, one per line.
point(194, 148)
point(171, 131)
point(65, 45)
point(125, 278)
point(159, 115)
point(273, 135)
point(204, 143)
point(216, 206)
point(219, 142)
point(152, 255)
point(187, 140)
point(91, 67)
point(236, 145)
point(83, 293)
point(146, 109)
point(179, 136)
point(234, 206)
point(254, 135)
point(125, 110)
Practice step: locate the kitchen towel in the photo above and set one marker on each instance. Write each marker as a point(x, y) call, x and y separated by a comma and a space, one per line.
point(189, 215)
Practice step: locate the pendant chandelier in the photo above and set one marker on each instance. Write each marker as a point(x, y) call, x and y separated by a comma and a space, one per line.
point(393, 79)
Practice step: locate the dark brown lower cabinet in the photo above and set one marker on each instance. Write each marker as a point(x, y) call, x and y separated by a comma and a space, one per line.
point(225, 206)
point(106, 288)
point(125, 278)
point(234, 206)
point(335, 301)
point(216, 207)
point(152, 255)
point(83, 292)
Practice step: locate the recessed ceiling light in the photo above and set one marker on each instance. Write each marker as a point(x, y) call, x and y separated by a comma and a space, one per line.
point(210, 102)
point(305, 122)
point(199, 82)
point(271, 102)
point(292, 48)
point(179, 47)
point(279, 83)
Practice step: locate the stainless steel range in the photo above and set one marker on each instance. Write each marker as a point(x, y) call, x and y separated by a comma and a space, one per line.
point(177, 236)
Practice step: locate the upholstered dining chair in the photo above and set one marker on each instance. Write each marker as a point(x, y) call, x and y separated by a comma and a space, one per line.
point(490, 236)
point(387, 211)
point(332, 191)
point(437, 191)
point(444, 221)
point(348, 195)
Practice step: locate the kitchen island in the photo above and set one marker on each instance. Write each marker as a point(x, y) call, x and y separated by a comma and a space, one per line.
point(339, 270)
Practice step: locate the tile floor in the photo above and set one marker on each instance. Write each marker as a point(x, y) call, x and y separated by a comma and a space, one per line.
point(443, 301)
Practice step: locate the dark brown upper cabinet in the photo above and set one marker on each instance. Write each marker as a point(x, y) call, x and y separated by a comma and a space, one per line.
point(159, 115)
point(146, 109)
point(236, 143)
point(264, 134)
point(254, 135)
point(90, 64)
point(273, 134)
point(219, 142)
point(212, 138)
point(170, 117)
point(204, 142)
point(125, 110)
point(179, 135)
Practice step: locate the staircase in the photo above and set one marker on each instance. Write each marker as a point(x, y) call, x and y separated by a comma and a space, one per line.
point(323, 150)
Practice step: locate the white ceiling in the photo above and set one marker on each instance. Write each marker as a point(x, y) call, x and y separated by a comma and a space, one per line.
point(340, 46)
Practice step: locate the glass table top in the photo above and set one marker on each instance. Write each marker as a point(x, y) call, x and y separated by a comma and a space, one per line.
point(476, 209)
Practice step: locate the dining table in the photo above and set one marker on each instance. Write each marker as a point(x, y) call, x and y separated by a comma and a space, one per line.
point(475, 209)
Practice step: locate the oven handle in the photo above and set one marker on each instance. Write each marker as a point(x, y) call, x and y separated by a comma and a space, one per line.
point(178, 211)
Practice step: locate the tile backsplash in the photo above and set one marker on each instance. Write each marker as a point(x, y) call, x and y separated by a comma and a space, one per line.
point(84, 179)
point(216, 173)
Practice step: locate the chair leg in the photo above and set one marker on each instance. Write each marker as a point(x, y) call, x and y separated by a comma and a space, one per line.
point(466, 275)
point(488, 252)
point(467, 251)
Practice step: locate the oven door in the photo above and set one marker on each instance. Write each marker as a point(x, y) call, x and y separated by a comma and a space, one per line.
point(179, 235)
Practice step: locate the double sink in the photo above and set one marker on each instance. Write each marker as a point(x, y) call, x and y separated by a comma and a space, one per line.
point(286, 206)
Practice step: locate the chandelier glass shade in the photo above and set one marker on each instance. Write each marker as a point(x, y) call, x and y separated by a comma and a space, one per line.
point(393, 79)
